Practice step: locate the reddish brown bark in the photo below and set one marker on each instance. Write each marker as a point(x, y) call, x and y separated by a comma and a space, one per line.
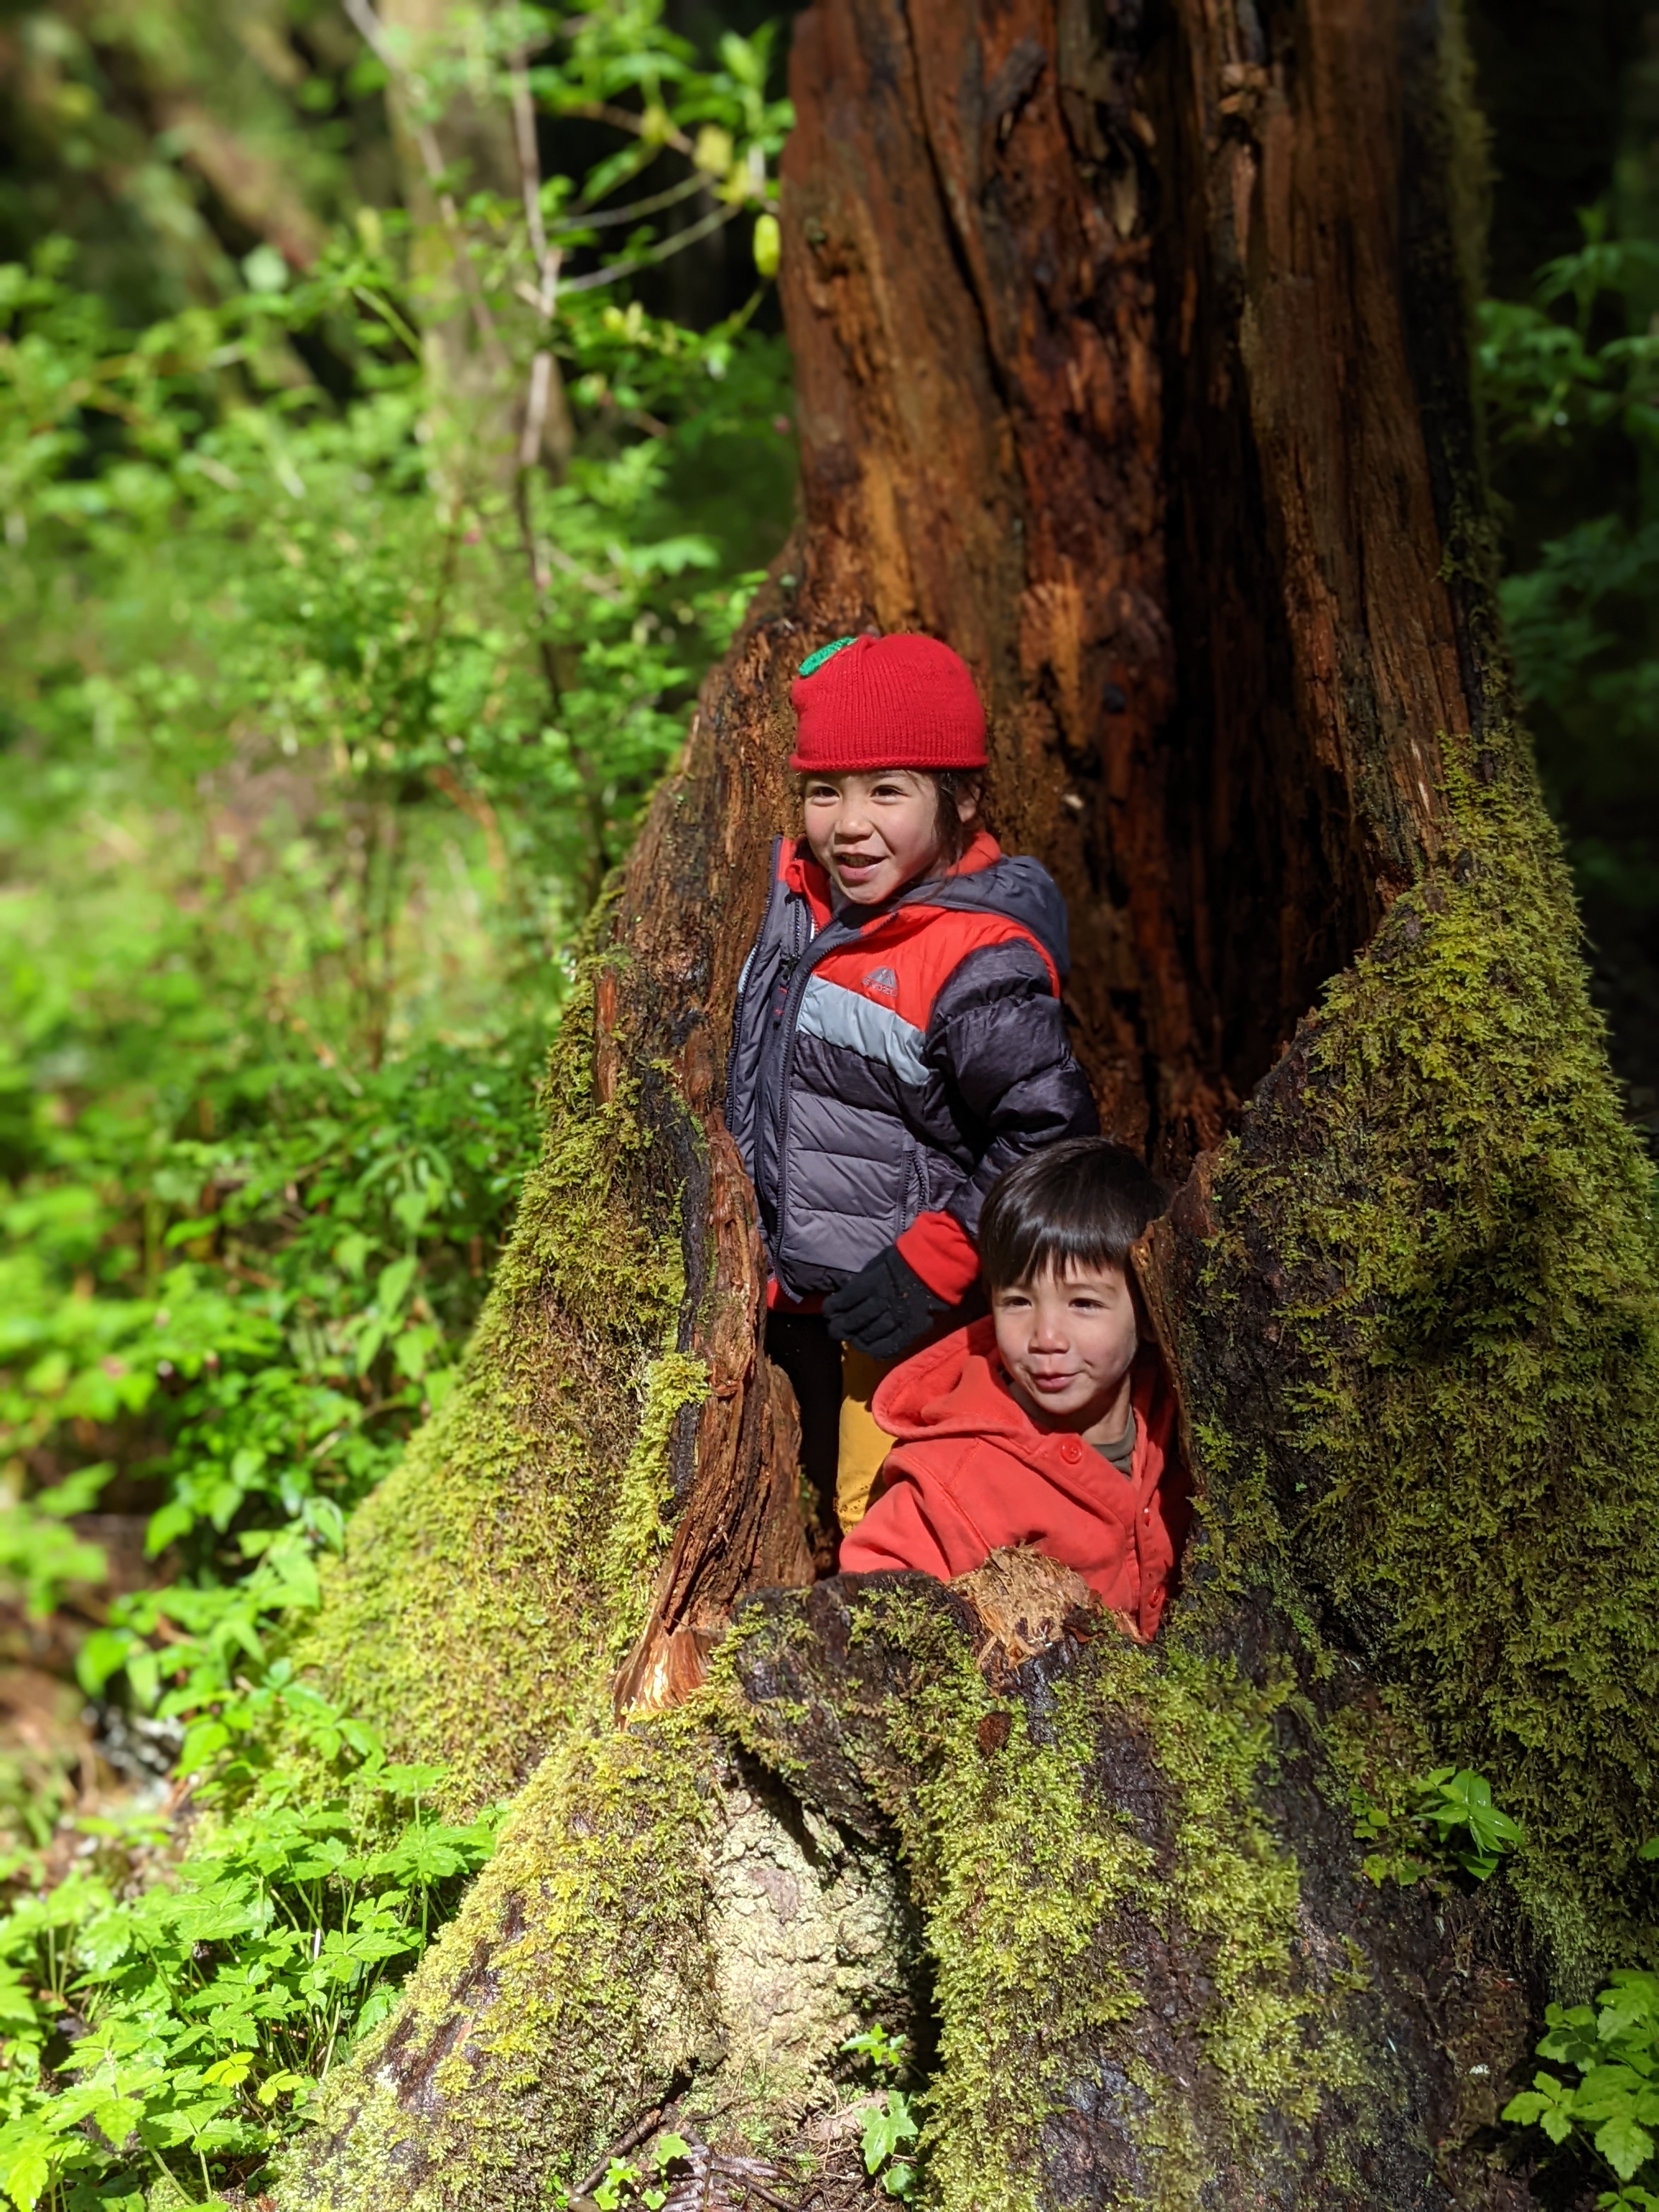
point(693, 887)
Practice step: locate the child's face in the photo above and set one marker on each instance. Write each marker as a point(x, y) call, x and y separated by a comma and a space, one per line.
point(1069, 1342)
point(875, 833)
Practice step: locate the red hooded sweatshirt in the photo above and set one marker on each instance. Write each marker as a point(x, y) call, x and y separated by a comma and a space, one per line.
point(972, 1472)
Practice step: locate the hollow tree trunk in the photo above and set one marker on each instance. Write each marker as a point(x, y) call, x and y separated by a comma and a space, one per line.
point(1133, 358)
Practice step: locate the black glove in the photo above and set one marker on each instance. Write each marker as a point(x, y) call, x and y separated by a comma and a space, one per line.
point(884, 1308)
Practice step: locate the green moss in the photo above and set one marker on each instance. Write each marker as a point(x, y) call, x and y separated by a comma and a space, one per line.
point(1232, 1884)
point(639, 1529)
point(1456, 1225)
point(1176, 2162)
point(577, 1980)
point(1026, 1870)
point(1038, 1889)
point(493, 1582)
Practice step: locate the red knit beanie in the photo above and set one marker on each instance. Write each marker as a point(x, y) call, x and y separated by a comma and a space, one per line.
point(865, 703)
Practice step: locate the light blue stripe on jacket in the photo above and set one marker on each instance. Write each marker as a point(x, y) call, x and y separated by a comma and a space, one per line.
point(841, 1016)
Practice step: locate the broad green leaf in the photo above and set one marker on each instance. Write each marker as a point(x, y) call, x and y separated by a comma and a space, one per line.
point(25, 2174)
point(887, 2127)
point(1526, 2109)
point(1602, 2088)
point(394, 1284)
point(1625, 2146)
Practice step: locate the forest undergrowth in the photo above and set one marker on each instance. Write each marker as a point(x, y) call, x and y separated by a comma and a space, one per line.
point(355, 582)
point(334, 683)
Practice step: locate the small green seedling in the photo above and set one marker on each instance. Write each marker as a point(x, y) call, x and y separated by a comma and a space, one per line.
point(626, 2184)
point(890, 2053)
point(1469, 1828)
point(664, 2151)
point(1447, 1818)
point(619, 2175)
point(890, 2119)
point(888, 2127)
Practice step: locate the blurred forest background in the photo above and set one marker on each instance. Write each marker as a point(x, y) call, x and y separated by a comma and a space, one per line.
point(393, 423)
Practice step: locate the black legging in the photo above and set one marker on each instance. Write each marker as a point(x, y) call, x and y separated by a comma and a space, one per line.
point(802, 1345)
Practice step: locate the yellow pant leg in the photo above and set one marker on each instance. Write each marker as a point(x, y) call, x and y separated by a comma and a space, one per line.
point(863, 1445)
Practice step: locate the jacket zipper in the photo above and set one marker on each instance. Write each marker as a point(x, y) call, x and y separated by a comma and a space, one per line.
point(786, 968)
point(795, 971)
point(800, 967)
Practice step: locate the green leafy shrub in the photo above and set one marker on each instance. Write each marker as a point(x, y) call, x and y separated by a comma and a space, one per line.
point(1570, 378)
point(178, 2028)
point(321, 731)
point(1612, 2110)
point(325, 712)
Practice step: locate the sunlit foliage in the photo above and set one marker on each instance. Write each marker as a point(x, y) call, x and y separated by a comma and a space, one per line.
point(349, 610)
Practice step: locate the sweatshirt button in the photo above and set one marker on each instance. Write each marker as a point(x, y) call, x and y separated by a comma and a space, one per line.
point(1070, 1449)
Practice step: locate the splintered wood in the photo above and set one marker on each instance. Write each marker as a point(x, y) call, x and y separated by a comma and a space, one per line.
point(1026, 1602)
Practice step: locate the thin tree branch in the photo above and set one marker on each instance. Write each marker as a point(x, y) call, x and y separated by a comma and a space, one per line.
point(543, 375)
point(623, 118)
point(543, 368)
point(653, 205)
point(635, 2136)
point(670, 246)
point(373, 32)
point(389, 315)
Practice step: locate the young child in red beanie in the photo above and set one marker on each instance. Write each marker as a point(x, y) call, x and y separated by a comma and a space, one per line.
point(898, 1041)
point(1049, 1424)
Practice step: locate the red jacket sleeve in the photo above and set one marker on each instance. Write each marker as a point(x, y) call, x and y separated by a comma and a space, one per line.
point(943, 1255)
point(914, 1525)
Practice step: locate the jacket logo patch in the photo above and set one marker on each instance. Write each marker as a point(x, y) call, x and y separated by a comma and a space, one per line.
point(883, 980)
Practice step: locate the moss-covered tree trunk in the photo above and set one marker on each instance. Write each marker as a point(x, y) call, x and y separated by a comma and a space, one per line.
point(1133, 357)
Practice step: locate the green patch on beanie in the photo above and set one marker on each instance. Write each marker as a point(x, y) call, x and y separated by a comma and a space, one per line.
point(817, 659)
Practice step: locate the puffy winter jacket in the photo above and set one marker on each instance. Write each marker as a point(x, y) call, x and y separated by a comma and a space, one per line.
point(888, 1064)
point(972, 1472)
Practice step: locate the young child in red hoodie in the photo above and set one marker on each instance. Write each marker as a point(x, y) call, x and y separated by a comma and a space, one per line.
point(1048, 1424)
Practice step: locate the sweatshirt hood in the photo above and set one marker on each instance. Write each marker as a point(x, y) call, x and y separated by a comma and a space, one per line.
point(955, 1388)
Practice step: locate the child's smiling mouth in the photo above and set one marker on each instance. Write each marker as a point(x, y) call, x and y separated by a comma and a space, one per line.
point(857, 867)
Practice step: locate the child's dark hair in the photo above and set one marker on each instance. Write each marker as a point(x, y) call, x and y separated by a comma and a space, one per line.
point(1077, 1204)
point(953, 784)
